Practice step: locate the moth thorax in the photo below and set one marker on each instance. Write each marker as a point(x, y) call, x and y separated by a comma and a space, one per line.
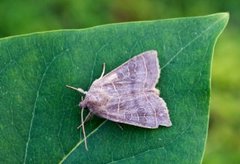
point(94, 100)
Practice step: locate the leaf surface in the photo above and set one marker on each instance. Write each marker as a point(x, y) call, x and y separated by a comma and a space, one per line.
point(39, 116)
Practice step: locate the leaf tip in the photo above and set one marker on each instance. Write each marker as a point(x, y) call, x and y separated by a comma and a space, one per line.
point(225, 16)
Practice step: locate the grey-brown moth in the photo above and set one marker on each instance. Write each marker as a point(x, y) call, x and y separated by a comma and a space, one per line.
point(128, 94)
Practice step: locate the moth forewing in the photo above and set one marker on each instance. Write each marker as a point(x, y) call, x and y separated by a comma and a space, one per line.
point(128, 94)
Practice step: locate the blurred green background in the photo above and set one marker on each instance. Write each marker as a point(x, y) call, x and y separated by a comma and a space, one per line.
point(223, 144)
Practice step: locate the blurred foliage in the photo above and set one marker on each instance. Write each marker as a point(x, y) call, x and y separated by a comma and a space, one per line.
point(28, 16)
point(223, 145)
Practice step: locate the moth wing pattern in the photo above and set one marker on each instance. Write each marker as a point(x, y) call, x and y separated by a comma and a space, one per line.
point(128, 94)
point(144, 110)
point(139, 73)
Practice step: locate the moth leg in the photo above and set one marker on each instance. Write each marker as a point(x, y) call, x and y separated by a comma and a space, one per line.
point(77, 89)
point(87, 118)
point(103, 71)
point(119, 126)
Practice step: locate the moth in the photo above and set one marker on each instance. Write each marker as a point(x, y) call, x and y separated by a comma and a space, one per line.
point(128, 95)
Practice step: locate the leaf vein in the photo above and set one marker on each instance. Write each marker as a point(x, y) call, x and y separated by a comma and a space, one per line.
point(35, 105)
point(81, 141)
point(189, 43)
point(136, 155)
point(95, 62)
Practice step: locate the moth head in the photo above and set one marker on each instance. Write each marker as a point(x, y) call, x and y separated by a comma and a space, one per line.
point(94, 100)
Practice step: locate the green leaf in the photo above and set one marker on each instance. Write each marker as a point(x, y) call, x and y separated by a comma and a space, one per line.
point(39, 116)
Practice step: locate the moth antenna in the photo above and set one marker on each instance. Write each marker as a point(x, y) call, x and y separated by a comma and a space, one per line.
point(103, 70)
point(83, 130)
point(88, 117)
point(77, 89)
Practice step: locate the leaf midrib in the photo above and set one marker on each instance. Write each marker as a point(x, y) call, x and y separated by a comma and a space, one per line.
point(81, 141)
